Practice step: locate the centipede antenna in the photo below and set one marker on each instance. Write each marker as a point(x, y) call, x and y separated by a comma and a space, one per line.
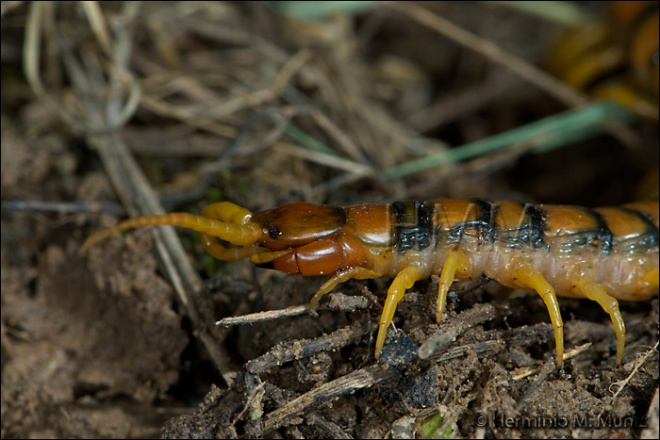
point(234, 233)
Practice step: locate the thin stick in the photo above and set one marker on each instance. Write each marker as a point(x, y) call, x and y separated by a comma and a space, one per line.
point(493, 52)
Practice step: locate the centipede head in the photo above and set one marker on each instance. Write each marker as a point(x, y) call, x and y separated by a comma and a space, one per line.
point(301, 238)
point(296, 224)
point(295, 238)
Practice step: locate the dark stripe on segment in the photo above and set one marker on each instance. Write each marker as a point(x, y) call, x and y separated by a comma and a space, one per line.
point(413, 225)
point(530, 231)
point(648, 220)
point(494, 230)
point(534, 233)
point(486, 220)
point(651, 236)
point(603, 233)
point(481, 227)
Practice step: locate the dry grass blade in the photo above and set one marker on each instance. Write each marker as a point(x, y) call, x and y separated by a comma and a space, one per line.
point(40, 15)
point(324, 159)
point(61, 207)
point(493, 52)
point(100, 116)
point(520, 67)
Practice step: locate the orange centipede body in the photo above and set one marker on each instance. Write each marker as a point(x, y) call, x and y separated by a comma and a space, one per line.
point(601, 254)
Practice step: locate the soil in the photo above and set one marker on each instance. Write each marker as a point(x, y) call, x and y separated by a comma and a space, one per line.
point(100, 344)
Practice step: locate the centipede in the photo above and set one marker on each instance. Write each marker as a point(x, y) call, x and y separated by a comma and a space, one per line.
point(615, 58)
point(601, 254)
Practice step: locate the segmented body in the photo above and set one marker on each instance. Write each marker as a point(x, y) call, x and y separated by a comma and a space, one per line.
point(602, 254)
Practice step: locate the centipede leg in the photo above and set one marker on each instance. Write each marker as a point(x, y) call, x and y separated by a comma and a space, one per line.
point(218, 251)
point(358, 273)
point(455, 261)
point(532, 279)
point(598, 293)
point(403, 281)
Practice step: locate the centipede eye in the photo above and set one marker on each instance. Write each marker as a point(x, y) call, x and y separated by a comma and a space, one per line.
point(274, 233)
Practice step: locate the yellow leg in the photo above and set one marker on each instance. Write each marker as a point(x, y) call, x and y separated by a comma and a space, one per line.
point(358, 273)
point(263, 255)
point(456, 261)
point(404, 280)
point(534, 280)
point(218, 251)
point(598, 293)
